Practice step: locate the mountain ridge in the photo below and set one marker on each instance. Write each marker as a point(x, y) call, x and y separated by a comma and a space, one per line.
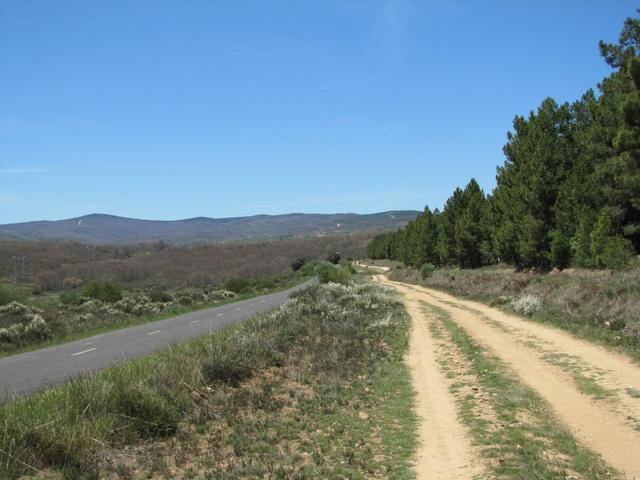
point(102, 228)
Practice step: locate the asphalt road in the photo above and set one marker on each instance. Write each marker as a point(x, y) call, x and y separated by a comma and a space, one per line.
point(29, 372)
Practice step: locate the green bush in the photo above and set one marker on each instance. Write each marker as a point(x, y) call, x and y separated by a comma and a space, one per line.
point(158, 294)
point(327, 272)
point(348, 264)
point(70, 298)
point(616, 253)
point(12, 293)
point(298, 264)
point(238, 285)
point(105, 291)
point(427, 270)
point(334, 258)
point(266, 283)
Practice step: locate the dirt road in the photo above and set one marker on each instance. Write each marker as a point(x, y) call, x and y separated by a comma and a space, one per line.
point(590, 390)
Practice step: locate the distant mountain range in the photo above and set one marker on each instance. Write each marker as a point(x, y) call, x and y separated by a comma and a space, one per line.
point(109, 229)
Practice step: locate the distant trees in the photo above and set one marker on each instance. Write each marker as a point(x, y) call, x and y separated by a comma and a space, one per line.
point(568, 192)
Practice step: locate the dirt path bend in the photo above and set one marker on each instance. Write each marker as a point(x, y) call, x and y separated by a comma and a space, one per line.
point(605, 426)
point(444, 451)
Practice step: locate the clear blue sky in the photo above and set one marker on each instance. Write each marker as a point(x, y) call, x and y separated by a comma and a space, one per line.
point(174, 109)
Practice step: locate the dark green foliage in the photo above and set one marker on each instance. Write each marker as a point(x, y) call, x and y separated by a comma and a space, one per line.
point(427, 270)
point(616, 253)
point(12, 293)
point(298, 264)
point(334, 258)
point(568, 192)
point(560, 255)
point(70, 298)
point(158, 294)
point(238, 285)
point(104, 291)
point(327, 273)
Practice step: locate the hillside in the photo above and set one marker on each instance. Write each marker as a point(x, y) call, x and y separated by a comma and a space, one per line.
point(110, 229)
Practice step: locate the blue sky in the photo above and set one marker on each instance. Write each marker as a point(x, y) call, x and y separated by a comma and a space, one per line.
point(174, 109)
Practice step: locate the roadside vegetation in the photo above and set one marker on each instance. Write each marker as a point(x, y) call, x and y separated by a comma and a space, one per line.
point(28, 321)
point(596, 305)
point(316, 389)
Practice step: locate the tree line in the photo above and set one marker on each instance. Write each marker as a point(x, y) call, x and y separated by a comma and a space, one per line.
point(568, 192)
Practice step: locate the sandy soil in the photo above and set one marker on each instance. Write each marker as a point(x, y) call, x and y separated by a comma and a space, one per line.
point(606, 426)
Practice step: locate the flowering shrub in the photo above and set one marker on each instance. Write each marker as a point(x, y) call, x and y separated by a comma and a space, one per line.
point(526, 304)
point(30, 325)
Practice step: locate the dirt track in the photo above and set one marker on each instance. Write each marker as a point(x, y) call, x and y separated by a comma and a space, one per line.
point(445, 451)
point(544, 358)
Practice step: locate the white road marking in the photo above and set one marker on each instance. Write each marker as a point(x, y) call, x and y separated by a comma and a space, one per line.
point(220, 314)
point(89, 343)
point(195, 321)
point(237, 308)
point(84, 351)
point(154, 332)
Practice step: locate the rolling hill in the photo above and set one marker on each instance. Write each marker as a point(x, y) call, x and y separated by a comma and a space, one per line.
point(110, 229)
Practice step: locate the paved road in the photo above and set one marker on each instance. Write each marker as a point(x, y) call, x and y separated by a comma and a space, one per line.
point(29, 372)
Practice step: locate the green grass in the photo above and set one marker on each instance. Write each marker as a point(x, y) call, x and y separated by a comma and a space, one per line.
point(523, 441)
point(133, 321)
point(316, 389)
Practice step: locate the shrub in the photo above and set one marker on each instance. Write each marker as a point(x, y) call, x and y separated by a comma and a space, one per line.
point(219, 295)
point(105, 291)
point(298, 264)
point(72, 282)
point(148, 412)
point(238, 285)
point(527, 305)
point(632, 333)
point(237, 358)
point(159, 295)
point(47, 281)
point(348, 264)
point(616, 253)
point(326, 273)
point(11, 293)
point(70, 298)
point(427, 270)
point(334, 258)
point(266, 283)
